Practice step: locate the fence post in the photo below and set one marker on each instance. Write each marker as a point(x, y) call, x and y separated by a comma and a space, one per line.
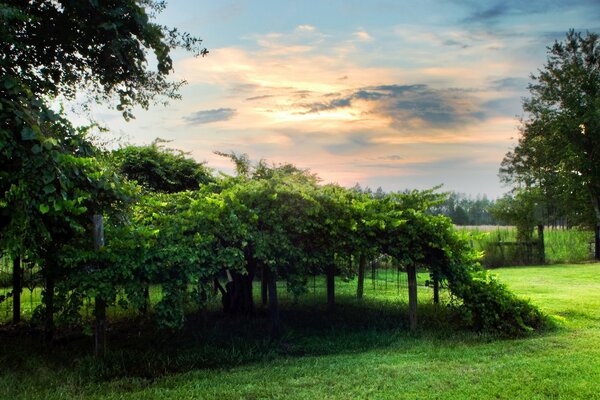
point(541, 246)
point(17, 289)
point(330, 272)
point(360, 287)
point(275, 322)
point(411, 272)
point(264, 286)
point(100, 303)
point(597, 243)
point(436, 288)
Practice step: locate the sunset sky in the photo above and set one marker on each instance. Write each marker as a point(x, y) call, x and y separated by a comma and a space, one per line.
point(397, 94)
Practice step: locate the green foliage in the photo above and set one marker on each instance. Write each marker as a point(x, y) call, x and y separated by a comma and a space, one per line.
point(466, 210)
point(561, 246)
point(161, 169)
point(59, 47)
point(489, 306)
point(364, 350)
point(558, 150)
point(523, 210)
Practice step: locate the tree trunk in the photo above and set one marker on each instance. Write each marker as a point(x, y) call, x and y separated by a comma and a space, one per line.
point(411, 272)
point(99, 302)
point(17, 289)
point(541, 245)
point(239, 290)
point(360, 287)
point(264, 283)
point(596, 205)
point(330, 286)
point(100, 327)
point(273, 303)
point(145, 306)
point(436, 288)
point(597, 242)
point(48, 299)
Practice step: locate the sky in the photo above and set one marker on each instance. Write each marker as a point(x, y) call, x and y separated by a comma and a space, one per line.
point(391, 94)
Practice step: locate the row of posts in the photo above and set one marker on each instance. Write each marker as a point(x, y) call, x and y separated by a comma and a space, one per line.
point(100, 303)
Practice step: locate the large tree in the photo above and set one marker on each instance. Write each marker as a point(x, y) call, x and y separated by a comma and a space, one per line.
point(50, 180)
point(559, 146)
point(58, 47)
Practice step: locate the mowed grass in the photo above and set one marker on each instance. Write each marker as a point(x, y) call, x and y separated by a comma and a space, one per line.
point(346, 360)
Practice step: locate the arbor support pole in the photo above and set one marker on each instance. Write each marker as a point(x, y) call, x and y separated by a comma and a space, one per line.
point(17, 288)
point(330, 286)
point(597, 243)
point(360, 287)
point(99, 302)
point(541, 246)
point(411, 272)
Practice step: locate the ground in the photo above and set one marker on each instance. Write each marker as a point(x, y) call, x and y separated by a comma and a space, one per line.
point(376, 362)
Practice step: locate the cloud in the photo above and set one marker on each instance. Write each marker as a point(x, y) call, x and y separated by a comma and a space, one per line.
point(408, 105)
point(350, 144)
point(393, 157)
point(510, 8)
point(493, 12)
point(208, 116)
point(266, 96)
point(305, 28)
point(363, 36)
point(510, 83)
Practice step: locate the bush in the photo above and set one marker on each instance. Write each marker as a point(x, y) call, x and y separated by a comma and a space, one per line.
point(489, 306)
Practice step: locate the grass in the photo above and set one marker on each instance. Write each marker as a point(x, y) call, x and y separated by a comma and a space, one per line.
point(561, 245)
point(363, 351)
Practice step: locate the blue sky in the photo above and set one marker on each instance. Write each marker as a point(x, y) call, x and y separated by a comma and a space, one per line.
point(397, 94)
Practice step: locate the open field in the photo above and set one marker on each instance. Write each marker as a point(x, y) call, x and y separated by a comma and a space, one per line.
point(561, 245)
point(364, 351)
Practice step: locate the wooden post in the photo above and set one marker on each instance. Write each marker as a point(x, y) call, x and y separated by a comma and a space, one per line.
point(264, 286)
point(436, 288)
point(373, 272)
point(360, 287)
point(49, 303)
point(411, 272)
point(17, 289)
point(541, 246)
point(100, 303)
point(144, 309)
point(330, 286)
point(273, 302)
point(597, 243)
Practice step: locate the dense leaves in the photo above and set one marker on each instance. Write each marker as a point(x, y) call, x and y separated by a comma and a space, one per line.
point(161, 169)
point(60, 47)
point(559, 148)
point(282, 222)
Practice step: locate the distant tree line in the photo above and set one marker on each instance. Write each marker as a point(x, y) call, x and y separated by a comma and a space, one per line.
point(464, 209)
point(461, 208)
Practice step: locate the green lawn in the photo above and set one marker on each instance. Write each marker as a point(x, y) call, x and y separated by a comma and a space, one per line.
point(376, 360)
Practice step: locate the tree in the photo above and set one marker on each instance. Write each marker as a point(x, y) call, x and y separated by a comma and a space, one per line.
point(60, 47)
point(51, 180)
point(161, 169)
point(559, 146)
point(521, 210)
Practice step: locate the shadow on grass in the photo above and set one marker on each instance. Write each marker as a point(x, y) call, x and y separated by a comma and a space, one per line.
point(138, 349)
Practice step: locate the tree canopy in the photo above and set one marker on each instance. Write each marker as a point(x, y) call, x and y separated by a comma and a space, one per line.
point(161, 169)
point(62, 47)
point(559, 146)
point(52, 179)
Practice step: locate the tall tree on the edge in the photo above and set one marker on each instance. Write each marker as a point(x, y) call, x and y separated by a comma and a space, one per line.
point(559, 145)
